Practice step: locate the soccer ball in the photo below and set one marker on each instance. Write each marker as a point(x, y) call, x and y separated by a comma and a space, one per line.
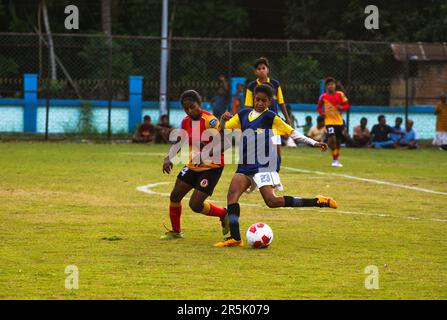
point(259, 235)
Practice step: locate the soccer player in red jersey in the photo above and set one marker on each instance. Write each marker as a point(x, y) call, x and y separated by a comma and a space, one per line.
point(330, 105)
point(197, 175)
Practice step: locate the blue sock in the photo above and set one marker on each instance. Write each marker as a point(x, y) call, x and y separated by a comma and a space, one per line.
point(234, 212)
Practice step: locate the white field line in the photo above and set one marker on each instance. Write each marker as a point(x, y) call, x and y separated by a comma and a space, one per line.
point(366, 180)
point(321, 173)
point(148, 189)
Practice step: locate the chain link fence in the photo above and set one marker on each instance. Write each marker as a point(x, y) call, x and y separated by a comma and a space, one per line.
point(97, 67)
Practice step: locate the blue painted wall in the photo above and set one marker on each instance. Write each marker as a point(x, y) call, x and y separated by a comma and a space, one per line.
point(28, 114)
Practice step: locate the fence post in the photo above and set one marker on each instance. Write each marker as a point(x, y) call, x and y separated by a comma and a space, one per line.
point(407, 75)
point(348, 85)
point(47, 116)
point(30, 107)
point(135, 101)
point(109, 86)
point(321, 87)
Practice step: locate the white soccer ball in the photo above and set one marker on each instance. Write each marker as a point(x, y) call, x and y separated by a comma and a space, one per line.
point(259, 235)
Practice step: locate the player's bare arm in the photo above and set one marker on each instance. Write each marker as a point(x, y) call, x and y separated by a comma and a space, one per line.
point(298, 137)
point(226, 141)
point(323, 146)
point(167, 163)
point(225, 117)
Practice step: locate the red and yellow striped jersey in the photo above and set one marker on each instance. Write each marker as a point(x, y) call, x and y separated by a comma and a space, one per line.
point(327, 106)
point(206, 121)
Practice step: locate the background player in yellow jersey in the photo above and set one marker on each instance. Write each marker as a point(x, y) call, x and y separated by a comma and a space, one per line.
point(330, 105)
point(262, 69)
point(441, 123)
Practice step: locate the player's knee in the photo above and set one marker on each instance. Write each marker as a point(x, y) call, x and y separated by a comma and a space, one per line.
point(196, 206)
point(273, 202)
point(175, 197)
point(232, 196)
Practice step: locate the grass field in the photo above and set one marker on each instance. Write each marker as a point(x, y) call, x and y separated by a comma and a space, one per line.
point(77, 204)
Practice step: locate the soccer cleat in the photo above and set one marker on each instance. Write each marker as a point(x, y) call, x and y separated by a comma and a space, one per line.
point(171, 235)
point(225, 223)
point(336, 163)
point(230, 242)
point(326, 202)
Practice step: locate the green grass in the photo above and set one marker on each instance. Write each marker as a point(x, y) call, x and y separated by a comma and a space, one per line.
point(64, 204)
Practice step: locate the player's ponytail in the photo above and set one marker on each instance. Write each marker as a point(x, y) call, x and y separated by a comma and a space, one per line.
point(191, 95)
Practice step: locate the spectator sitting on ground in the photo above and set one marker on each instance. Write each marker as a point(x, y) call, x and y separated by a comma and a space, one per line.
point(380, 134)
point(409, 140)
point(361, 134)
point(441, 123)
point(145, 132)
point(162, 130)
point(318, 132)
point(398, 128)
point(306, 127)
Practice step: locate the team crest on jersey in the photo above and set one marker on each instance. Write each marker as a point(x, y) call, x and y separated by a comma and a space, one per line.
point(213, 123)
point(260, 131)
point(204, 183)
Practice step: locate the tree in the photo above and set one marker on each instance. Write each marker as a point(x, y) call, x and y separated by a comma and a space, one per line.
point(8, 67)
point(106, 17)
point(95, 59)
point(218, 18)
point(335, 20)
point(2, 16)
point(300, 68)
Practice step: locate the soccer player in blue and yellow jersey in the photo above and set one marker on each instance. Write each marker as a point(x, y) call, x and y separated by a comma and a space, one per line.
point(202, 177)
point(256, 170)
point(330, 105)
point(262, 69)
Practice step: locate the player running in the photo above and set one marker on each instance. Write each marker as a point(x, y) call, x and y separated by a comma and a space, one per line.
point(330, 105)
point(260, 173)
point(195, 175)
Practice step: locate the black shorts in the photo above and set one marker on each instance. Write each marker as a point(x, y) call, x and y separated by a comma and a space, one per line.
point(336, 130)
point(204, 181)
